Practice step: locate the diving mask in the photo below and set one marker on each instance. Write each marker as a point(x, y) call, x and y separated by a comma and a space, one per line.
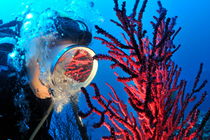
point(72, 68)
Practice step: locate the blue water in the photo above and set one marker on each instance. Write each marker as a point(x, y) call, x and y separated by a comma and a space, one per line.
point(193, 17)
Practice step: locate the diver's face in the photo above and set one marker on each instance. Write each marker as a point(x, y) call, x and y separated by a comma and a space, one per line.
point(38, 88)
point(33, 68)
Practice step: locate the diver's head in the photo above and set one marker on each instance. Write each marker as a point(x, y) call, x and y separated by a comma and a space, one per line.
point(43, 48)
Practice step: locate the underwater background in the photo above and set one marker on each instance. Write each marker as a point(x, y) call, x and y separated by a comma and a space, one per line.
point(193, 17)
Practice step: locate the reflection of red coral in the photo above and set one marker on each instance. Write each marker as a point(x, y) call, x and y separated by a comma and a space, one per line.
point(80, 66)
point(152, 84)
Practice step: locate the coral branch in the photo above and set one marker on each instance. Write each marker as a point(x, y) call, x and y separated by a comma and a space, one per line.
point(154, 91)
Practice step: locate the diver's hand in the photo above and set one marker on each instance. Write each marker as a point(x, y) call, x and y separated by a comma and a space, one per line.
point(38, 88)
point(42, 92)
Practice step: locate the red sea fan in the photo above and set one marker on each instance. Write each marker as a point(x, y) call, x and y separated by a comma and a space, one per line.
point(154, 90)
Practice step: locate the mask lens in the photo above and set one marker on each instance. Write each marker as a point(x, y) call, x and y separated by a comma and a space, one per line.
point(77, 64)
point(73, 68)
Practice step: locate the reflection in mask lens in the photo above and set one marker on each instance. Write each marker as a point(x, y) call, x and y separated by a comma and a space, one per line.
point(77, 67)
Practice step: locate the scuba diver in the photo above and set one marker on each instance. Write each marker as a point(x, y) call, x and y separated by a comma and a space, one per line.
point(25, 96)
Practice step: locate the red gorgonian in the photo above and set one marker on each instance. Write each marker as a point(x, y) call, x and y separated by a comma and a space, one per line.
point(154, 90)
